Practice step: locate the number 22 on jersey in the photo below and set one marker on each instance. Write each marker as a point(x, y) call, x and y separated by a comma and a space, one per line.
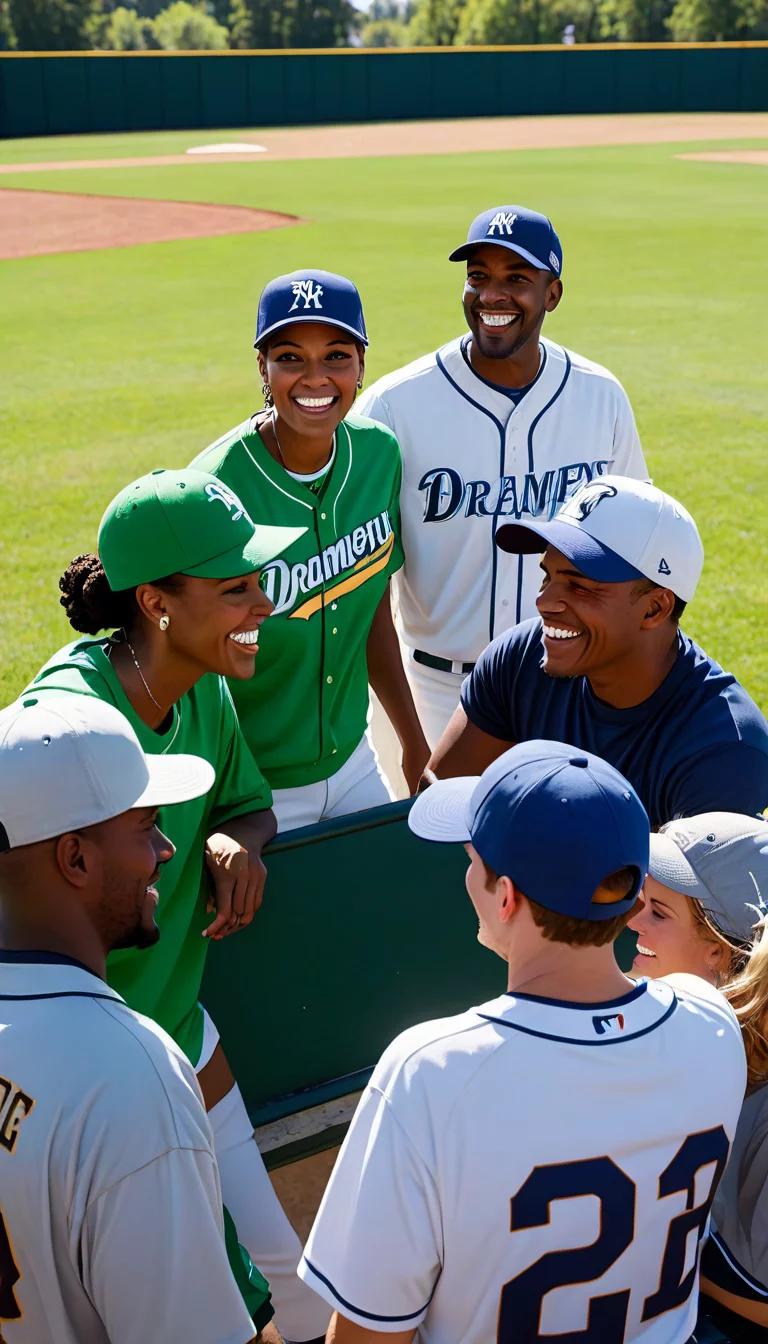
point(522, 1299)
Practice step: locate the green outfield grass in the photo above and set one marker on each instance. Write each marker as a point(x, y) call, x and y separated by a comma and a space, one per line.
point(118, 361)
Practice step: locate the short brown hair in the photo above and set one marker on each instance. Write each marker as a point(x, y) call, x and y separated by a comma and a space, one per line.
point(586, 932)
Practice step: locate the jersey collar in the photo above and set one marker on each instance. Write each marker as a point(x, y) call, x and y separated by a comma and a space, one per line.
point(44, 975)
point(338, 471)
point(458, 370)
point(647, 1005)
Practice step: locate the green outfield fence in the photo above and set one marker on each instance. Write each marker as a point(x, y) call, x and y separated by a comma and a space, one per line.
point(55, 93)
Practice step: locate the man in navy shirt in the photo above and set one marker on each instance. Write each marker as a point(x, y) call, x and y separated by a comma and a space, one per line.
point(606, 667)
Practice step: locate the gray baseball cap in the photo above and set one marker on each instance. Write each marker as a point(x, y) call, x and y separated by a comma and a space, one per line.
point(721, 860)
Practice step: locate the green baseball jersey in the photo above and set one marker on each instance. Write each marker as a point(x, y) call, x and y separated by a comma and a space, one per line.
point(305, 709)
point(164, 981)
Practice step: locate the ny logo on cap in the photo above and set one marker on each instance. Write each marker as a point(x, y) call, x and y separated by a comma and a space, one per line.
point(502, 221)
point(587, 500)
point(309, 291)
point(216, 490)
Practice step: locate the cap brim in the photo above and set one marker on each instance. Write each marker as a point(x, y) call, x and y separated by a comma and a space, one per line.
point(261, 336)
point(466, 250)
point(442, 812)
point(590, 556)
point(266, 544)
point(175, 779)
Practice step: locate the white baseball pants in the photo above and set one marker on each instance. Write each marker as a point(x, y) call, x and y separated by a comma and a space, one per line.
point(359, 784)
point(435, 695)
point(262, 1226)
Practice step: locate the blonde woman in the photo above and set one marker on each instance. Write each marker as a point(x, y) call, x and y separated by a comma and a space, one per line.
point(705, 913)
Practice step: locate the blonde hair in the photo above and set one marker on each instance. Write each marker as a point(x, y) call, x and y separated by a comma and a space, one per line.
point(745, 986)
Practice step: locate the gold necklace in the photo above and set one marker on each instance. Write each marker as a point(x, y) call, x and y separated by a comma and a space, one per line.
point(155, 702)
point(280, 451)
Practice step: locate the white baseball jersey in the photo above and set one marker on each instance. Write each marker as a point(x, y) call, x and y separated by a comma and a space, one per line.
point(111, 1228)
point(471, 460)
point(532, 1168)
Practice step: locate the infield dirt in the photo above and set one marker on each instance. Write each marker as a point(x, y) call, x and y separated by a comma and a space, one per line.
point(34, 223)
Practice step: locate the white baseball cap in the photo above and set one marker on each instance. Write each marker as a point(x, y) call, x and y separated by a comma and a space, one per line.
point(719, 859)
point(69, 761)
point(616, 528)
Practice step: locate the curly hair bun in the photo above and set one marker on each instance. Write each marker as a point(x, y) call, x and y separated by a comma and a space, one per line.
point(87, 598)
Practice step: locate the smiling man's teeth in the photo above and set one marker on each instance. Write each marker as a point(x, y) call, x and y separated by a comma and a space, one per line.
point(645, 951)
point(498, 319)
point(556, 632)
point(247, 637)
point(314, 403)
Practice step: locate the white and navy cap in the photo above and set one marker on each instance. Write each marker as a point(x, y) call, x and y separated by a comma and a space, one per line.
point(70, 761)
point(554, 819)
point(310, 296)
point(615, 529)
point(520, 230)
point(719, 859)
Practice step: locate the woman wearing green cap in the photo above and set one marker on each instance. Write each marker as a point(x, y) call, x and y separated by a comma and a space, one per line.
point(176, 581)
point(306, 461)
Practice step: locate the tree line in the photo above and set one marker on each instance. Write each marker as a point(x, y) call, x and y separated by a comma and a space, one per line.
point(213, 25)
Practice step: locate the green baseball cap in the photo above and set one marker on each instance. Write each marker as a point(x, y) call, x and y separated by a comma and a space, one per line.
point(183, 522)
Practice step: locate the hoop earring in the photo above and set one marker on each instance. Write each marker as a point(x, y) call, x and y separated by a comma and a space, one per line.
point(164, 622)
point(266, 392)
point(359, 384)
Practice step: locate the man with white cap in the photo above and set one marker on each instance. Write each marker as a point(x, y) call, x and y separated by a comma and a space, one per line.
point(111, 1226)
point(706, 912)
point(605, 665)
point(541, 1166)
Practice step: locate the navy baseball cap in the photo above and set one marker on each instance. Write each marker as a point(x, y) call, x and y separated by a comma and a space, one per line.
point(310, 296)
point(524, 231)
point(554, 819)
point(614, 529)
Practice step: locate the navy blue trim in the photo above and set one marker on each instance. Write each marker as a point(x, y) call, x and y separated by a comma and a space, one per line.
point(63, 994)
point(14, 956)
point(495, 520)
point(575, 1040)
point(531, 468)
point(478, 405)
point(350, 1306)
point(719, 1264)
point(515, 394)
point(631, 994)
point(544, 409)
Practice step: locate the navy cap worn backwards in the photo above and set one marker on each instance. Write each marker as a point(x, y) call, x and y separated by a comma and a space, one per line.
point(310, 296)
point(554, 819)
point(524, 231)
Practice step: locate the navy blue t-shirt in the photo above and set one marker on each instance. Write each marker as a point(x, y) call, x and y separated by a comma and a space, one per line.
point(698, 744)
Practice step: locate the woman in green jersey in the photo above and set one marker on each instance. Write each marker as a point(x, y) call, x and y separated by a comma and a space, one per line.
point(306, 461)
point(176, 580)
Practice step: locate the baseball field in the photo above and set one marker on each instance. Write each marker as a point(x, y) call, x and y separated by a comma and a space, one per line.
point(119, 358)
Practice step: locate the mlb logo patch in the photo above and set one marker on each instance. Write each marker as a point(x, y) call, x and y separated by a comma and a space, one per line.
point(612, 1024)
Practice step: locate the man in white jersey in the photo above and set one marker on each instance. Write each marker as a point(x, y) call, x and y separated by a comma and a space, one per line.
point(111, 1227)
point(542, 1166)
point(499, 425)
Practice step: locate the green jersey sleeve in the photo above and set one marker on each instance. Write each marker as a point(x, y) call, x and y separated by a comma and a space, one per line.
point(240, 786)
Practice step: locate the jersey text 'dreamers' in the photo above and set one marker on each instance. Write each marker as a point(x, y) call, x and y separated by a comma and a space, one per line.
point(363, 550)
point(446, 491)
